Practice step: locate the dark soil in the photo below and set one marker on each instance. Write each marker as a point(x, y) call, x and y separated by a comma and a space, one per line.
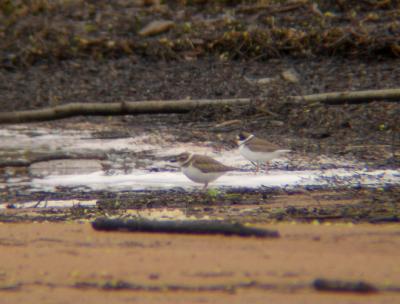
point(368, 130)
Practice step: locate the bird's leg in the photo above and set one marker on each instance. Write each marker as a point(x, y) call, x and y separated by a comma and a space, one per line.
point(38, 203)
point(257, 168)
point(205, 186)
point(186, 208)
point(255, 164)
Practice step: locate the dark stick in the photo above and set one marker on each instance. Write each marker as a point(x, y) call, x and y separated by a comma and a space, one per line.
point(190, 227)
point(343, 286)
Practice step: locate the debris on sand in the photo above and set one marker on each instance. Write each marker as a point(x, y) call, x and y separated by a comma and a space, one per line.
point(191, 227)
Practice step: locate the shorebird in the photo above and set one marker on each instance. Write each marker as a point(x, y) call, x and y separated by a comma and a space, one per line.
point(200, 168)
point(258, 150)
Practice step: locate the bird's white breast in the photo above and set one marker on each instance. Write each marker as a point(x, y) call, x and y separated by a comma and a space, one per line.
point(200, 177)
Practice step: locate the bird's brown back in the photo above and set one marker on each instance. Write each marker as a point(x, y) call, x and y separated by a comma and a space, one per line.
point(207, 164)
point(261, 145)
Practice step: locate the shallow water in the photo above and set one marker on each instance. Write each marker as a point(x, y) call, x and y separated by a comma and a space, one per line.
point(141, 163)
point(142, 180)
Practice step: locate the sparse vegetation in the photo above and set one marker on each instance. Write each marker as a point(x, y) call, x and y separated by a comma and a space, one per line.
point(42, 30)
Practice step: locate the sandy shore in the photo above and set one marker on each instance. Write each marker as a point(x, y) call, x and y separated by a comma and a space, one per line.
point(70, 262)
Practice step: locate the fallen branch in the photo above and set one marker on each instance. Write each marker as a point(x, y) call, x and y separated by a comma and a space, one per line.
point(121, 108)
point(192, 227)
point(348, 96)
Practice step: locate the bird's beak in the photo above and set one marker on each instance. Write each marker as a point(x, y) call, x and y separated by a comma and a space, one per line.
point(237, 140)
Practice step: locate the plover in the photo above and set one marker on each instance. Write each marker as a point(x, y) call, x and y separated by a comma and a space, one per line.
point(258, 150)
point(200, 168)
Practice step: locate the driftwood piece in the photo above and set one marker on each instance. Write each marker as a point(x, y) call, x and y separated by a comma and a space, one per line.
point(190, 227)
point(348, 96)
point(120, 108)
point(49, 157)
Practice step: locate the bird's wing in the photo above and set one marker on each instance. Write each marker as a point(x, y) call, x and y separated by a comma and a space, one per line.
point(261, 145)
point(208, 164)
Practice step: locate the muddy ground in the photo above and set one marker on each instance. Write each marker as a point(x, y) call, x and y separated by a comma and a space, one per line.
point(365, 130)
point(53, 53)
point(245, 206)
